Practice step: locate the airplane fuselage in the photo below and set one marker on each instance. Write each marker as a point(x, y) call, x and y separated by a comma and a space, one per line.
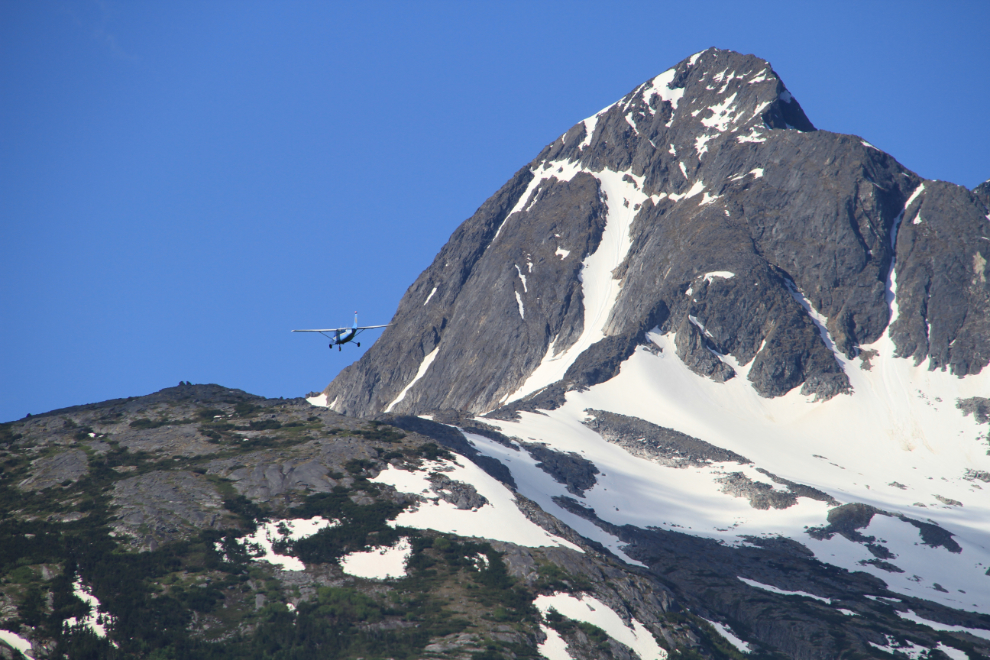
point(345, 336)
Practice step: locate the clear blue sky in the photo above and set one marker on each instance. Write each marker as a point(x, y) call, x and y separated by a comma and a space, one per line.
point(182, 183)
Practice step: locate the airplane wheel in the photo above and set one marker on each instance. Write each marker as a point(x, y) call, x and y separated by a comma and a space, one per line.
point(359, 344)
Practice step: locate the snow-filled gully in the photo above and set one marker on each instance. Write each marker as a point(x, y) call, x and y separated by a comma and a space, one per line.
point(600, 290)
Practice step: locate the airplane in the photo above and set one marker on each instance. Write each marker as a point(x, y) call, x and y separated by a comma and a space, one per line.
point(343, 335)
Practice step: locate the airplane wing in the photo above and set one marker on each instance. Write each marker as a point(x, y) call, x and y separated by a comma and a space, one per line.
point(325, 330)
point(372, 327)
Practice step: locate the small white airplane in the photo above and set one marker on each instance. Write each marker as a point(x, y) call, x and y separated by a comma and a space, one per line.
point(343, 335)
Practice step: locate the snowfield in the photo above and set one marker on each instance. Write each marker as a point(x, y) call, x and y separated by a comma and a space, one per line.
point(379, 563)
point(500, 519)
point(898, 443)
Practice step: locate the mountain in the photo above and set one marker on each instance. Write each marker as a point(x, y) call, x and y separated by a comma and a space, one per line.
point(699, 381)
point(761, 332)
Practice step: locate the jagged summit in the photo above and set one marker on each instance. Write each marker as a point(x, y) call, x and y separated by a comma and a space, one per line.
point(704, 203)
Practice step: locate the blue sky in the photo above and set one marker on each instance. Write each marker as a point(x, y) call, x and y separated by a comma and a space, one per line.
point(182, 183)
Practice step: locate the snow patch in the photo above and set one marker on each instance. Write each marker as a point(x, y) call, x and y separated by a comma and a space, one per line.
point(522, 310)
point(423, 367)
point(557, 169)
point(782, 592)
point(701, 144)
point(380, 563)
point(96, 620)
point(500, 519)
point(320, 401)
point(591, 610)
point(429, 296)
point(752, 136)
point(907, 648)
point(695, 189)
point(721, 114)
point(260, 544)
point(934, 625)
point(721, 274)
point(785, 96)
point(661, 86)
point(914, 195)
point(554, 647)
point(17, 643)
point(954, 654)
point(600, 290)
point(726, 634)
point(523, 279)
point(562, 253)
point(819, 320)
point(589, 130)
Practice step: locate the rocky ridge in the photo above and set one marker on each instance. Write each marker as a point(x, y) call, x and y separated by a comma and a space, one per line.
point(170, 516)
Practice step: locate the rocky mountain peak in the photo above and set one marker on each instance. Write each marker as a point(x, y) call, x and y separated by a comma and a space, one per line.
point(703, 205)
point(679, 116)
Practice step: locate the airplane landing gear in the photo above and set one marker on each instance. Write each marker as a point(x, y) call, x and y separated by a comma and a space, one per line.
point(359, 344)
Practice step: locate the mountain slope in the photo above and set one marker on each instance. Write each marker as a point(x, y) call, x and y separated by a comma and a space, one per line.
point(204, 522)
point(700, 263)
point(711, 167)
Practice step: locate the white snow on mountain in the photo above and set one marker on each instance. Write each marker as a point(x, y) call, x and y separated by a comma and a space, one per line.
point(591, 610)
point(898, 443)
point(907, 648)
point(784, 592)
point(499, 519)
point(97, 620)
point(379, 563)
point(423, 367)
point(975, 632)
point(554, 647)
point(730, 637)
point(600, 289)
point(260, 544)
point(17, 643)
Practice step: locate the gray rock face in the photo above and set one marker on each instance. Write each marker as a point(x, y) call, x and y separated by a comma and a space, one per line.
point(943, 294)
point(663, 445)
point(184, 440)
point(54, 470)
point(159, 507)
point(977, 406)
point(982, 193)
point(458, 493)
point(802, 220)
point(571, 469)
